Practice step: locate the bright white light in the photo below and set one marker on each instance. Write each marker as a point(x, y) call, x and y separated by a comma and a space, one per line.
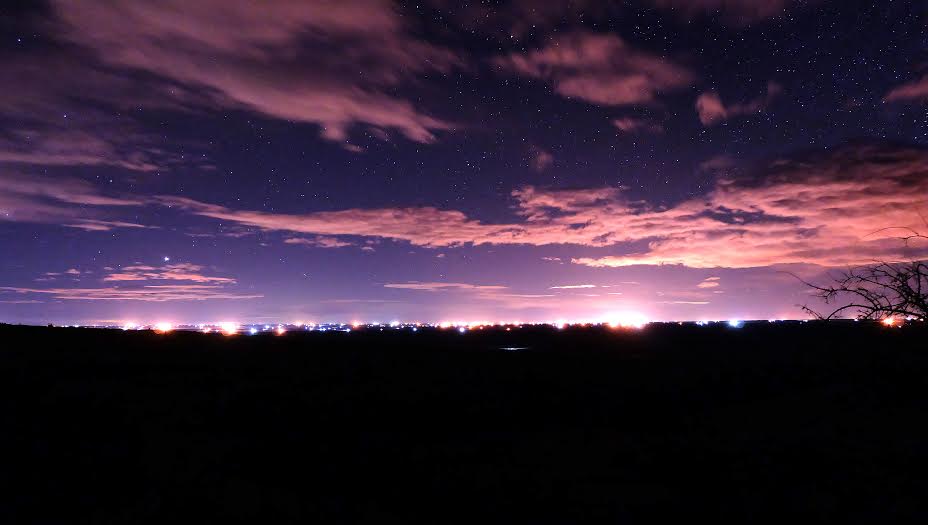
point(627, 320)
point(735, 323)
point(130, 326)
point(252, 330)
point(890, 321)
point(462, 329)
point(228, 327)
point(281, 330)
point(444, 324)
point(702, 323)
point(167, 259)
point(163, 327)
point(414, 329)
point(394, 324)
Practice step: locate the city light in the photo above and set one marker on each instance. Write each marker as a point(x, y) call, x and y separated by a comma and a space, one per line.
point(228, 328)
point(164, 327)
point(627, 320)
point(735, 323)
point(890, 321)
point(281, 330)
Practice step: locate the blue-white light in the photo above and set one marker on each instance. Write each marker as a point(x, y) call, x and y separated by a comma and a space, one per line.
point(736, 323)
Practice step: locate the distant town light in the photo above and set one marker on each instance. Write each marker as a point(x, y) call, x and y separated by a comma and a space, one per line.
point(163, 327)
point(228, 327)
point(735, 323)
point(627, 320)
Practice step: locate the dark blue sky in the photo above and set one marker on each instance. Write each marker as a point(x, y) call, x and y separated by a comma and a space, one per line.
point(371, 160)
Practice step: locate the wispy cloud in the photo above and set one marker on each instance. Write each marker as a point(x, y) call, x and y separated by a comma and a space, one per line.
point(637, 125)
point(168, 272)
point(598, 68)
point(712, 110)
point(277, 60)
point(319, 242)
point(148, 293)
point(170, 282)
point(825, 209)
point(442, 287)
point(67, 201)
point(914, 90)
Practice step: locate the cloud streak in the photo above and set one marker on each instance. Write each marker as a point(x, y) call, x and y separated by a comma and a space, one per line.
point(826, 209)
point(914, 90)
point(66, 201)
point(331, 63)
point(599, 69)
point(170, 282)
point(712, 110)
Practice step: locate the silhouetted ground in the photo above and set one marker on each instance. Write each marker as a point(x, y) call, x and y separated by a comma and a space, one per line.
point(586, 425)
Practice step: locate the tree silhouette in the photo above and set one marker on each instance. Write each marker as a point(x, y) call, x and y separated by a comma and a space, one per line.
point(881, 290)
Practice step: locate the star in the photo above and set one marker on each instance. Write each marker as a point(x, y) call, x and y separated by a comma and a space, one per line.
point(167, 259)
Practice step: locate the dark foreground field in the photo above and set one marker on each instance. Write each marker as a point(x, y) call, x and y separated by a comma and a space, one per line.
point(586, 425)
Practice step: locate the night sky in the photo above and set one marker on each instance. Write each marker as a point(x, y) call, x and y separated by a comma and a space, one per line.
point(197, 161)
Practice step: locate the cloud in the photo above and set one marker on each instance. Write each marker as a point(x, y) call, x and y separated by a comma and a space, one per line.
point(331, 63)
point(150, 293)
point(709, 282)
point(914, 90)
point(168, 272)
point(66, 201)
point(64, 109)
point(319, 242)
point(828, 209)
point(572, 286)
point(540, 159)
point(712, 110)
point(637, 125)
point(170, 282)
point(598, 68)
point(442, 287)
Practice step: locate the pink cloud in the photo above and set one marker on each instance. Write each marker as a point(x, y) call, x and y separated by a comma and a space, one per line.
point(168, 272)
point(442, 287)
point(914, 90)
point(712, 110)
point(67, 201)
point(278, 60)
point(600, 69)
point(319, 242)
point(153, 293)
point(170, 282)
point(540, 159)
point(828, 210)
point(636, 125)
